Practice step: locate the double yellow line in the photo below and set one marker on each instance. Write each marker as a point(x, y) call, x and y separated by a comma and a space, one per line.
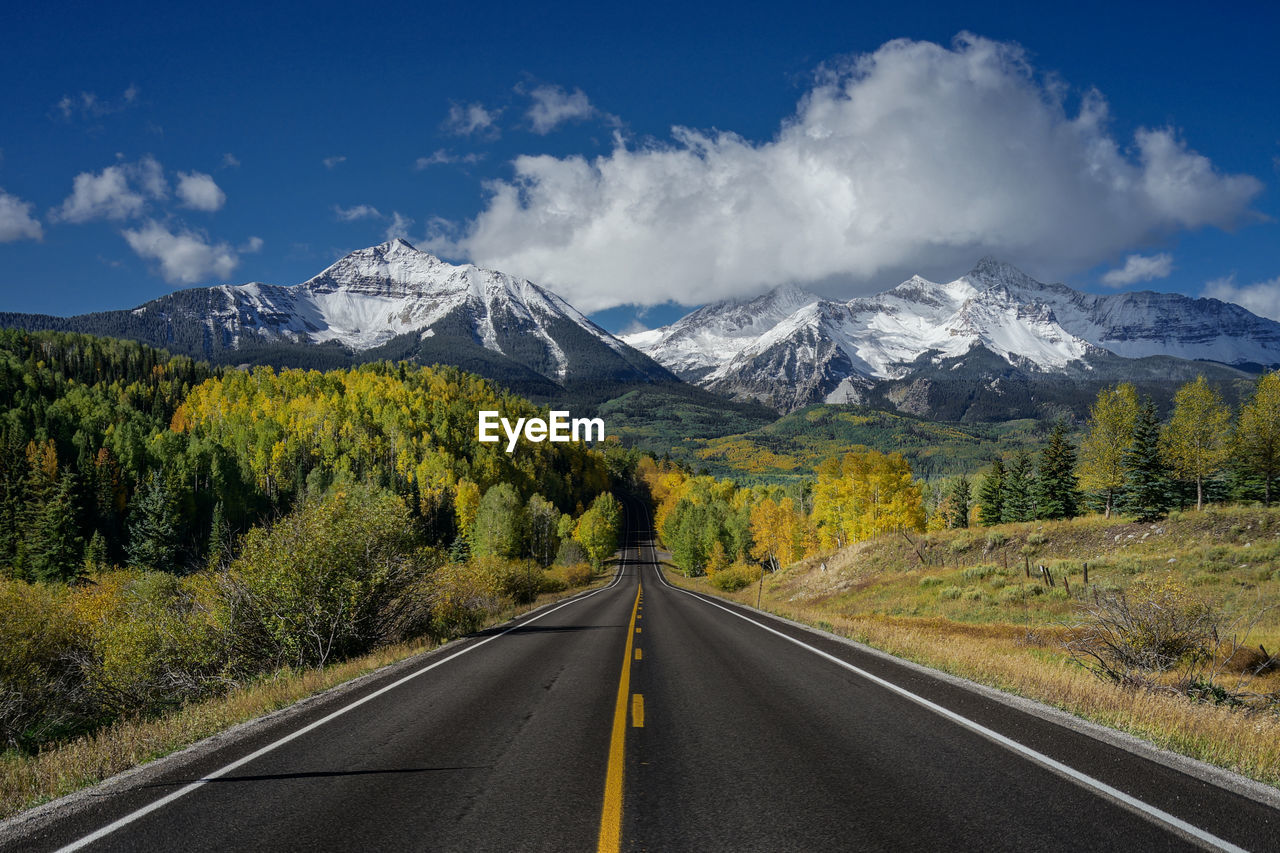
point(611, 817)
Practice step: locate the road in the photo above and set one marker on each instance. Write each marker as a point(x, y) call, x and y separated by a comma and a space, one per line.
point(643, 717)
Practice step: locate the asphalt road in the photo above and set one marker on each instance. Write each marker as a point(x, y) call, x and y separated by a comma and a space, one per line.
point(662, 721)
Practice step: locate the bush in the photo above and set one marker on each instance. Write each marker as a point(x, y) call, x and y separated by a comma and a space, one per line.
point(995, 539)
point(327, 580)
point(929, 580)
point(736, 577)
point(950, 593)
point(571, 576)
point(43, 644)
point(1150, 629)
point(571, 553)
point(461, 595)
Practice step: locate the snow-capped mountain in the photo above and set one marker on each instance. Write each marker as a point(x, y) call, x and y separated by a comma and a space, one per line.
point(386, 301)
point(698, 343)
point(838, 351)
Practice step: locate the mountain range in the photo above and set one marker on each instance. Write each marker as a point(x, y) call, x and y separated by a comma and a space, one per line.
point(389, 301)
point(991, 344)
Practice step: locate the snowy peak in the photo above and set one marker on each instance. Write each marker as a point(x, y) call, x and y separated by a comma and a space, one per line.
point(826, 348)
point(702, 340)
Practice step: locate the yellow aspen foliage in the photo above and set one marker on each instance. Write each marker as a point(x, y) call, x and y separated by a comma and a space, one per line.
point(1111, 421)
point(1196, 441)
point(865, 494)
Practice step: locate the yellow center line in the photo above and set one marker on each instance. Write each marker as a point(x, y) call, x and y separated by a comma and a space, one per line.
point(637, 710)
point(638, 655)
point(611, 816)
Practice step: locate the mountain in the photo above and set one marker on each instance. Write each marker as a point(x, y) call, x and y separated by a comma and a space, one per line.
point(992, 343)
point(388, 301)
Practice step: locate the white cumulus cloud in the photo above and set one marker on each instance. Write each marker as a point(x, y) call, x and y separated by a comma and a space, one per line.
point(441, 157)
point(16, 222)
point(117, 192)
point(185, 257)
point(472, 120)
point(399, 226)
point(1140, 268)
point(914, 158)
point(198, 191)
point(1262, 298)
point(552, 106)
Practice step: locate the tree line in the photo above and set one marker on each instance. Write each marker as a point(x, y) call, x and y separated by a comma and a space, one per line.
point(1129, 461)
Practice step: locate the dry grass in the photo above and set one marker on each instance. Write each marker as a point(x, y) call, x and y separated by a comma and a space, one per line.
point(964, 613)
point(27, 781)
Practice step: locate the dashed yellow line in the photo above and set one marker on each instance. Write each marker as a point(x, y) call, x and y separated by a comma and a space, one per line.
point(637, 710)
point(610, 839)
point(638, 655)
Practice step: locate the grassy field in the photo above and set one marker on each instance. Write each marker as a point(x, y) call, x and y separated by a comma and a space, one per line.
point(28, 780)
point(961, 601)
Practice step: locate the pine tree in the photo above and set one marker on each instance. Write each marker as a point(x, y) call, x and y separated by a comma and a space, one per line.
point(219, 534)
point(991, 494)
point(56, 552)
point(1196, 442)
point(961, 500)
point(1018, 494)
point(1110, 436)
point(153, 526)
point(1146, 478)
point(1258, 434)
point(1057, 492)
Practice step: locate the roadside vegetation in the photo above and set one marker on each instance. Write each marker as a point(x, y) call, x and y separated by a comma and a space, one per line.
point(1133, 579)
point(171, 535)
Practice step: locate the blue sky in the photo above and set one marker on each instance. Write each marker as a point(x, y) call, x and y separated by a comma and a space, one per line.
point(145, 147)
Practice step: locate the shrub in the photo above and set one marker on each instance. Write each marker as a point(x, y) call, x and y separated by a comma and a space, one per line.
point(929, 580)
point(977, 573)
point(736, 577)
point(961, 544)
point(1150, 629)
point(950, 593)
point(995, 539)
point(1037, 539)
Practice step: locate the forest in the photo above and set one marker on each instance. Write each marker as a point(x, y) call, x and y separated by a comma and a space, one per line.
point(168, 529)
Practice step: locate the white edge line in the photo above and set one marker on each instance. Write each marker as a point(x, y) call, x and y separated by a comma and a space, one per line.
point(119, 823)
point(1027, 752)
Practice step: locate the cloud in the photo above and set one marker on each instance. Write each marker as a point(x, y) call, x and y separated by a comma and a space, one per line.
point(117, 192)
point(16, 222)
point(187, 257)
point(472, 120)
point(1262, 298)
point(552, 106)
point(1140, 268)
point(399, 226)
point(198, 191)
point(442, 157)
point(330, 162)
point(87, 105)
point(913, 158)
point(230, 161)
point(360, 211)
point(251, 246)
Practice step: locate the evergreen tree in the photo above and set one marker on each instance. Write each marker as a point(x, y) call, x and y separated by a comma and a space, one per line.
point(219, 534)
point(991, 494)
point(56, 551)
point(1196, 443)
point(153, 526)
point(961, 500)
point(1146, 478)
point(1018, 501)
point(1257, 441)
point(1057, 492)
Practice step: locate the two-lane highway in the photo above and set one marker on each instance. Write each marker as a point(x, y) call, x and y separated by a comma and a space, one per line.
point(645, 717)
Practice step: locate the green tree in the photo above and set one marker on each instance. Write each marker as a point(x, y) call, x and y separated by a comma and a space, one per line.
point(1146, 488)
point(991, 494)
point(499, 524)
point(153, 526)
point(542, 529)
point(599, 528)
point(961, 500)
point(1258, 434)
point(1057, 490)
point(1196, 442)
point(1018, 495)
point(56, 552)
point(1110, 435)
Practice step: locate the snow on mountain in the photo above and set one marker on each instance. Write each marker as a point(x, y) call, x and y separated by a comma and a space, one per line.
point(834, 351)
point(703, 340)
point(373, 295)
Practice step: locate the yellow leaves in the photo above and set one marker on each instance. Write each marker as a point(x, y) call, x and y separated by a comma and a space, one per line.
point(866, 494)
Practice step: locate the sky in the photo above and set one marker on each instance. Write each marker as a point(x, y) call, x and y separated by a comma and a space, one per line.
point(639, 158)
